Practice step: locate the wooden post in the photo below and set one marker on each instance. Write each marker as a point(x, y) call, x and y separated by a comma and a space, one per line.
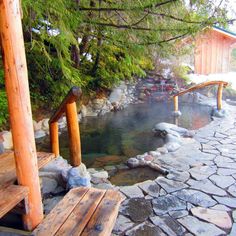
point(54, 138)
point(176, 105)
point(74, 133)
point(17, 88)
point(219, 96)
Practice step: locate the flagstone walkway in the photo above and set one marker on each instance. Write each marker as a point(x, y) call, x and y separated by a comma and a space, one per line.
point(197, 197)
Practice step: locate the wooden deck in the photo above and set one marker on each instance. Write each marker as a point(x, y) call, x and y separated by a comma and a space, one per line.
point(83, 211)
point(8, 170)
point(18, 194)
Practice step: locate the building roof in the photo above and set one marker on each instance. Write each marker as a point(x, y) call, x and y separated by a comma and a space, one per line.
point(225, 32)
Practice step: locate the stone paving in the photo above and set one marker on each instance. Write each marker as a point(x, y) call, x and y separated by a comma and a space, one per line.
point(197, 197)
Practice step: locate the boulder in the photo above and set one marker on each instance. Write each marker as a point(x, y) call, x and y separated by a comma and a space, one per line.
point(7, 140)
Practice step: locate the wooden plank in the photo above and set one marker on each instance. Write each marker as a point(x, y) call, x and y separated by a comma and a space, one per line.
point(10, 196)
point(8, 169)
point(52, 223)
point(103, 220)
point(82, 213)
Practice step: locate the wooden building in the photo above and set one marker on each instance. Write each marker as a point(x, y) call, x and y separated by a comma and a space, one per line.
point(213, 51)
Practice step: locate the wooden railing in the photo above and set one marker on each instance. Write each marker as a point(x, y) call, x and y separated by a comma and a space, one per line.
point(221, 85)
point(67, 106)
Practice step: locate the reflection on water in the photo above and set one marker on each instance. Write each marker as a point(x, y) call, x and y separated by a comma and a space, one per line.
point(112, 138)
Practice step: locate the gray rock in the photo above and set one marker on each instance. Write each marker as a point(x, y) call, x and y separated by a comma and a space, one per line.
point(227, 201)
point(49, 185)
point(195, 197)
point(50, 203)
point(202, 172)
point(233, 230)
point(162, 150)
point(172, 146)
point(227, 165)
point(146, 229)
point(133, 162)
point(223, 171)
point(163, 205)
point(200, 228)
point(168, 225)
point(222, 182)
point(206, 186)
point(234, 215)
point(39, 134)
point(122, 224)
point(178, 214)
point(138, 209)
point(178, 176)
point(100, 174)
point(170, 185)
point(150, 188)
point(220, 207)
point(132, 191)
point(232, 190)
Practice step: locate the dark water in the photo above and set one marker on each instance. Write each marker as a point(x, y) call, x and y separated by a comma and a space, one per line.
point(112, 138)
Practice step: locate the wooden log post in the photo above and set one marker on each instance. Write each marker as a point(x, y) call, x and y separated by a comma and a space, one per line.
point(54, 138)
point(74, 134)
point(17, 88)
point(219, 96)
point(176, 104)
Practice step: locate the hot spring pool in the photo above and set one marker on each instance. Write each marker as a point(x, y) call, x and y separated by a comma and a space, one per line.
point(113, 138)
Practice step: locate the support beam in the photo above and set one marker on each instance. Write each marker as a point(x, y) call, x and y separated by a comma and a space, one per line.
point(219, 97)
point(17, 88)
point(74, 134)
point(176, 104)
point(54, 137)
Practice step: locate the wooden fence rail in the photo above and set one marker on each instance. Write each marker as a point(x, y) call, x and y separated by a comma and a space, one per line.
point(67, 106)
point(221, 85)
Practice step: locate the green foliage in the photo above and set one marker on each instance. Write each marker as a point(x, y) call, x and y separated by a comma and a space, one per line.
point(3, 109)
point(96, 44)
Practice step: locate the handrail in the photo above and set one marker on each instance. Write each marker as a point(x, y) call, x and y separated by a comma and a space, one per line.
point(72, 96)
point(68, 106)
point(202, 85)
point(220, 84)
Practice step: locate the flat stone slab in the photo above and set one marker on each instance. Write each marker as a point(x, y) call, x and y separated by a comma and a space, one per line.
point(232, 190)
point(221, 207)
point(226, 171)
point(206, 186)
point(168, 225)
point(150, 187)
point(233, 230)
point(228, 201)
point(195, 197)
point(200, 228)
point(122, 224)
point(218, 218)
point(178, 176)
point(222, 182)
point(163, 205)
point(132, 191)
point(202, 172)
point(170, 185)
point(145, 229)
point(138, 209)
point(226, 165)
point(178, 214)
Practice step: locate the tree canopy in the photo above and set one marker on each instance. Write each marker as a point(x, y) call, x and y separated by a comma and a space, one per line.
point(96, 43)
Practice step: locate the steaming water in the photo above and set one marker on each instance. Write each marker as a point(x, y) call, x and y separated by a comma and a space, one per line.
point(114, 137)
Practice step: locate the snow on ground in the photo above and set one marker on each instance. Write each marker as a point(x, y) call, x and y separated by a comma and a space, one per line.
point(228, 77)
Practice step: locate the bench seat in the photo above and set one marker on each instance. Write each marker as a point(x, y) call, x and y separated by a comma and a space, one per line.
point(83, 211)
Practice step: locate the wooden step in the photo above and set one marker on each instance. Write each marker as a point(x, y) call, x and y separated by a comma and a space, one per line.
point(83, 211)
point(8, 169)
point(10, 196)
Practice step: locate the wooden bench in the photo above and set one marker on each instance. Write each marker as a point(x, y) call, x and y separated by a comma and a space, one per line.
point(83, 211)
point(8, 168)
point(10, 196)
